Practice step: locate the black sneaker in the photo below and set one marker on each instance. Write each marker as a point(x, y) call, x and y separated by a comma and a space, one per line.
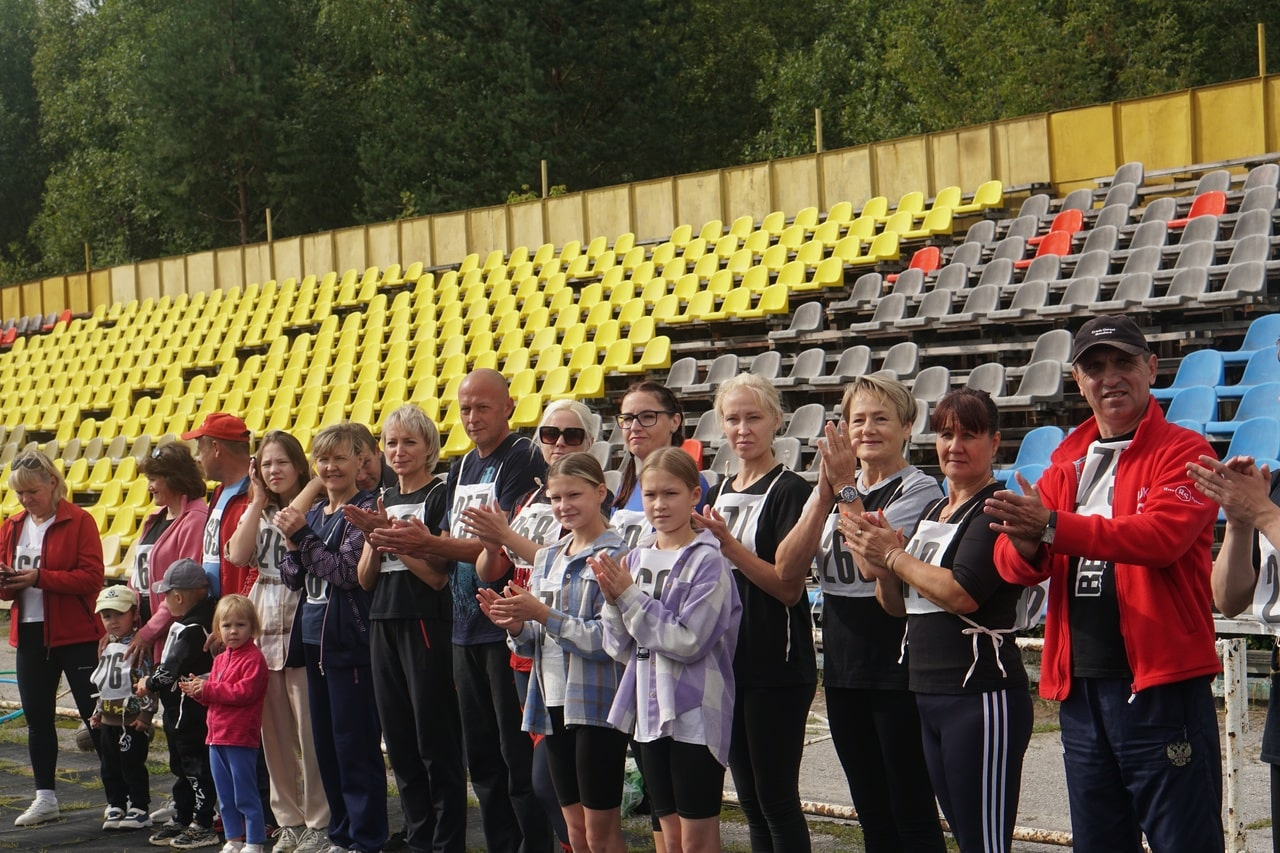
point(195, 837)
point(168, 831)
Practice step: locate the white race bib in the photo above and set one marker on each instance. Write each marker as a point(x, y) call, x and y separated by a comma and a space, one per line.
point(632, 526)
point(931, 541)
point(391, 562)
point(112, 674)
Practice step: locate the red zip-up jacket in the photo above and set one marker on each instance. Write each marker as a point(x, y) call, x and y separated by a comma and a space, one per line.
point(71, 575)
point(1159, 540)
point(234, 695)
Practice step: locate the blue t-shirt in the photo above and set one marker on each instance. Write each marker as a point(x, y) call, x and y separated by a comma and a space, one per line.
point(506, 475)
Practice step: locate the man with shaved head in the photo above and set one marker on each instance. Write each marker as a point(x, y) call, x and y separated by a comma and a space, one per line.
point(500, 470)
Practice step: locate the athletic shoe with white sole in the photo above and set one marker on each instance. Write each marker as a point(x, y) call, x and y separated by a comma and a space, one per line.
point(313, 841)
point(40, 811)
point(135, 819)
point(165, 812)
point(111, 816)
point(168, 831)
point(194, 837)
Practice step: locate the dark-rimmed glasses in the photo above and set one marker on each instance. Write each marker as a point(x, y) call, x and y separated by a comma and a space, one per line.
point(646, 419)
point(573, 436)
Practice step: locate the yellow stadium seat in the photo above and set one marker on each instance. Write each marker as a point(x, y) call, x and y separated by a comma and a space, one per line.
point(774, 223)
point(742, 226)
point(948, 197)
point(666, 309)
point(544, 253)
point(516, 360)
point(721, 282)
point(641, 331)
point(485, 361)
point(774, 300)
point(494, 260)
point(775, 257)
point(621, 292)
point(451, 367)
point(456, 443)
point(656, 356)
point(570, 250)
point(841, 213)
point(634, 257)
point(519, 255)
point(706, 266)
point(883, 248)
point(988, 195)
point(631, 311)
point(547, 359)
point(849, 248)
point(528, 412)
point(701, 306)
point(589, 385)
point(681, 235)
point(617, 356)
point(694, 249)
point(756, 279)
point(573, 336)
point(936, 221)
point(537, 320)
point(911, 202)
point(555, 383)
point(542, 339)
point(663, 253)
point(77, 476)
point(570, 315)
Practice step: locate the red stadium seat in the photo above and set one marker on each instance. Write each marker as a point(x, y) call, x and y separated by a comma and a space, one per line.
point(926, 260)
point(1212, 203)
point(1054, 243)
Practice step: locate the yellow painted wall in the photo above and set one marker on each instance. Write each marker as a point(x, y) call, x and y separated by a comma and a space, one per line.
point(1059, 151)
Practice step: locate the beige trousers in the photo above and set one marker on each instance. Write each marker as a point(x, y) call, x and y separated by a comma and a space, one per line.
point(297, 794)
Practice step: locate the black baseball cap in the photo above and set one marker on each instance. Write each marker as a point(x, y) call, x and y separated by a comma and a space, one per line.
point(1109, 330)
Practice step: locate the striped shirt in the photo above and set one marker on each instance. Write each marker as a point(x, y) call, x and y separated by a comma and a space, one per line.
point(590, 675)
point(677, 628)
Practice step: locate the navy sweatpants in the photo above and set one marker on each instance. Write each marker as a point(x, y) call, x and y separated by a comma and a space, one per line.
point(344, 720)
point(1148, 762)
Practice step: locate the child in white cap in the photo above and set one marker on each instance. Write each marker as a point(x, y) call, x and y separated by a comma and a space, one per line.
point(123, 718)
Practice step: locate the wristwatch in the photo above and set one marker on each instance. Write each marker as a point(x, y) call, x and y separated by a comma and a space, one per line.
point(848, 495)
point(1050, 528)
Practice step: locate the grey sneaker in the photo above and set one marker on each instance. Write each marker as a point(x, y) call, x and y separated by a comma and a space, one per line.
point(313, 841)
point(39, 811)
point(168, 831)
point(195, 837)
point(287, 838)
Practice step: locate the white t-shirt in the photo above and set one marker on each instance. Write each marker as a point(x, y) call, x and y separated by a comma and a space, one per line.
point(27, 555)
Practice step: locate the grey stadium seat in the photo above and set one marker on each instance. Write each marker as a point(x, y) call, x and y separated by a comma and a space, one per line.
point(1188, 285)
point(978, 305)
point(1076, 299)
point(806, 318)
point(931, 383)
point(902, 360)
point(1129, 293)
point(889, 310)
point(806, 423)
point(987, 377)
point(1028, 299)
point(1245, 280)
point(853, 362)
point(1042, 383)
point(807, 365)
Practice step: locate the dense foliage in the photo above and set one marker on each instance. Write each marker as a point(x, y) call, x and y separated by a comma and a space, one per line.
point(148, 127)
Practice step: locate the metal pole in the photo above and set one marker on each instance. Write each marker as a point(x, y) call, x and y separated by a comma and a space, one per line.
point(544, 179)
point(268, 225)
point(87, 267)
point(817, 129)
point(1234, 693)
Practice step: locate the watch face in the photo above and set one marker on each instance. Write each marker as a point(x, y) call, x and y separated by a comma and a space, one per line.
point(848, 495)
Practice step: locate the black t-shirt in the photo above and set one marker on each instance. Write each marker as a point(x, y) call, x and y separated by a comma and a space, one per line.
point(399, 593)
point(775, 642)
point(1093, 611)
point(512, 469)
point(941, 651)
point(861, 643)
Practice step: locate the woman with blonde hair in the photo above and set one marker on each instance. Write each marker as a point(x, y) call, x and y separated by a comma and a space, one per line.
point(51, 569)
point(411, 615)
point(775, 665)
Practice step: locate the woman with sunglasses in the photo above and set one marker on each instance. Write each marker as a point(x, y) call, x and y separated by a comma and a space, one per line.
point(51, 569)
point(175, 530)
point(567, 426)
point(650, 418)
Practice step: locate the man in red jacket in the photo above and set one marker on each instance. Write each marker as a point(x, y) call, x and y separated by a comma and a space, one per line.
point(222, 447)
point(1125, 538)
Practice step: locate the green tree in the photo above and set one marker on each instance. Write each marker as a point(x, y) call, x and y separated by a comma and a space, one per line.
point(25, 161)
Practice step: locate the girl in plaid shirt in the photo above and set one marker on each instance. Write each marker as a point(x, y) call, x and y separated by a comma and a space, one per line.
point(557, 623)
point(672, 614)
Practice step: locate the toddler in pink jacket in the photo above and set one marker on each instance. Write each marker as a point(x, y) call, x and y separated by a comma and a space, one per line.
point(234, 693)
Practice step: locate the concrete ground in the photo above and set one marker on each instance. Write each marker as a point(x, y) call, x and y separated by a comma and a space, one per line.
point(1043, 805)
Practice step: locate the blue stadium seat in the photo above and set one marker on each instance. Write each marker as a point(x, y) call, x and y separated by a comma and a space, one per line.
point(1256, 437)
point(1202, 367)
point(1262, 367)
point(1035, 449)
point(1260, 401)
point(1193, 407)
point(1262, 334)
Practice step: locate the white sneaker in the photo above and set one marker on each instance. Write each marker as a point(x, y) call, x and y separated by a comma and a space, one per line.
point(39, 811)
point(251, 848)
point(166, 811)
point(134, 819)
point(111, 816)
point(232, 847)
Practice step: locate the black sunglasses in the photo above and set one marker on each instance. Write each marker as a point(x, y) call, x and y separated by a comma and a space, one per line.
point(573, 436)
point(32, 461)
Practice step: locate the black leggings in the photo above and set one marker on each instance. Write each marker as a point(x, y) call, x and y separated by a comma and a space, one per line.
point(682, 778)
point(587, 763)
point(765, 753)
point(40, 670)
point(877, 736)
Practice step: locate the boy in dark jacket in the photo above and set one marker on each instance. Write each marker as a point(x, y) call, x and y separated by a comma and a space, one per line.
point(186, 590)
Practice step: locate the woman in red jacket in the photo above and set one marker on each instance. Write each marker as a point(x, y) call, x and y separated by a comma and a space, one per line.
point(51, 569)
